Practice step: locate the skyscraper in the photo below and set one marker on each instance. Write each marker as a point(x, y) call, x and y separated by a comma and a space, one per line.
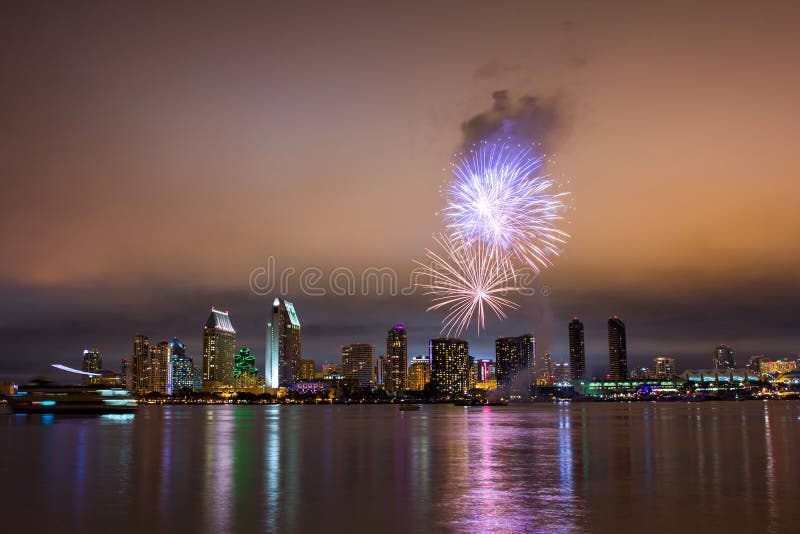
point(92, 363)
point(380, 370)
point(419, 373)
point(664, 367)
point(397, 358)
point(141, 364)
point(514, 359)
point(450, 366)
point(182, 367)
point(160, 371)
point(617, 349)
point(219, 345)
point(723, 358)
point(282, 363)
point(358, 361)
point(577, 349)
point(126, 374)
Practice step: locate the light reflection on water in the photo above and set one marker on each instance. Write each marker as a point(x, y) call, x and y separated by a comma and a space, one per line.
point(536, 468)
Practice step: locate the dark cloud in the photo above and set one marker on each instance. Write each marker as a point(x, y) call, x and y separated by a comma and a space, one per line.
point(528, 119)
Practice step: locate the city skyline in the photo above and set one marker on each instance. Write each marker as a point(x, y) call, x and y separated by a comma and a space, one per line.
point(253, 160)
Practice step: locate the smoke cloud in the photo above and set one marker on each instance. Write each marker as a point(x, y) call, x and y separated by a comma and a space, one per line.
point(538, 119)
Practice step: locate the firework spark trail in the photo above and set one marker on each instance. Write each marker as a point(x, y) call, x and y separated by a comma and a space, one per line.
point(499, 198)
point(465, 279)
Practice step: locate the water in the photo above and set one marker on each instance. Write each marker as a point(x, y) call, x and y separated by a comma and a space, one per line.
point(640, 467)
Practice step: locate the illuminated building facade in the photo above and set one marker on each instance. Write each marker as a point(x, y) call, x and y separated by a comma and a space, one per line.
point(547, 367)
point(617, 349)
point(514, 360)
point(396, 377)
point(92, 363)
point(723, 357)
point(160, 371)
point(141, 364)
point(219, 342)
point(562, 372)
point(450, 366)
point(282, 362)
point(577, 349)
point(358, 363)
point(126, 376)
point(380, 370)
point(419, 373)
point(664, 368)
point(777, 367)
point(245, 373)
point(183, 372)
point(307, 369)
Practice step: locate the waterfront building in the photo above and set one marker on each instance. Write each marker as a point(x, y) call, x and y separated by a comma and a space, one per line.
point(160, 371)
point(419, 373)
point(126, 375)
point(723, 358)
point(331, 369)
point(141, 364)
point(562, 372)
point(282, 362)
point(219, 345)
point(774, 368)
point(396, 377)
point(664, 367)
point(547, 368)
point(450, 366)
point(381, 369)
point(358, 361)
point(617, 349)
point(245, 373)
point(92, 363)
point(725, 376)
point(307, 369)
point(515, 362)
point(577, 349)
point(484, 370)
point(182, 377)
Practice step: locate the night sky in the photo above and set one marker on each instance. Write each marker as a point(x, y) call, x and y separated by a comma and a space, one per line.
point(153, 156)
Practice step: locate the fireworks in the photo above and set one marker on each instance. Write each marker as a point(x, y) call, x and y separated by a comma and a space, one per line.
point(465, 280)
point(501, 210)
point(501, 199)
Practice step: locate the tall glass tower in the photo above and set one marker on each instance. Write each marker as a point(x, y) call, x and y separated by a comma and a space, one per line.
point(617, 349)
point(577, 350)
point(282, 362)
point(397, 359)
point(219, 344)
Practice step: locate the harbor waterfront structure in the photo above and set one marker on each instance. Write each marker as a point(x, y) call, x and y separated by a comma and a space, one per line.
point(282, 362)
point(419, 373)
point(723, 358)
point(396, 379)
point(664, 367)
point(450, 366)
point(515, 359)
point(577, 349)
point(91, 363)
point(219, 345)
point(358, 362)
point(617, 349)
point(160, 371)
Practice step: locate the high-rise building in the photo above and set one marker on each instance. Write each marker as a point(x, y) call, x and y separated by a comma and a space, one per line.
point(419, 373)
point(381, 370)
point(577, 349)
point(723, 358)
point(160, 371)
point(450, 366)
point(92, 363)
point(547, 367)
point(141, 364)
point(182, 367)
point(396, 359)
point(617, 349)
point(126, 374)
point(664, 368)
point(282, 364)
point(515, 358)
point(484, 370)
point(307, 369)
point(358, 363)
point(219, 345)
